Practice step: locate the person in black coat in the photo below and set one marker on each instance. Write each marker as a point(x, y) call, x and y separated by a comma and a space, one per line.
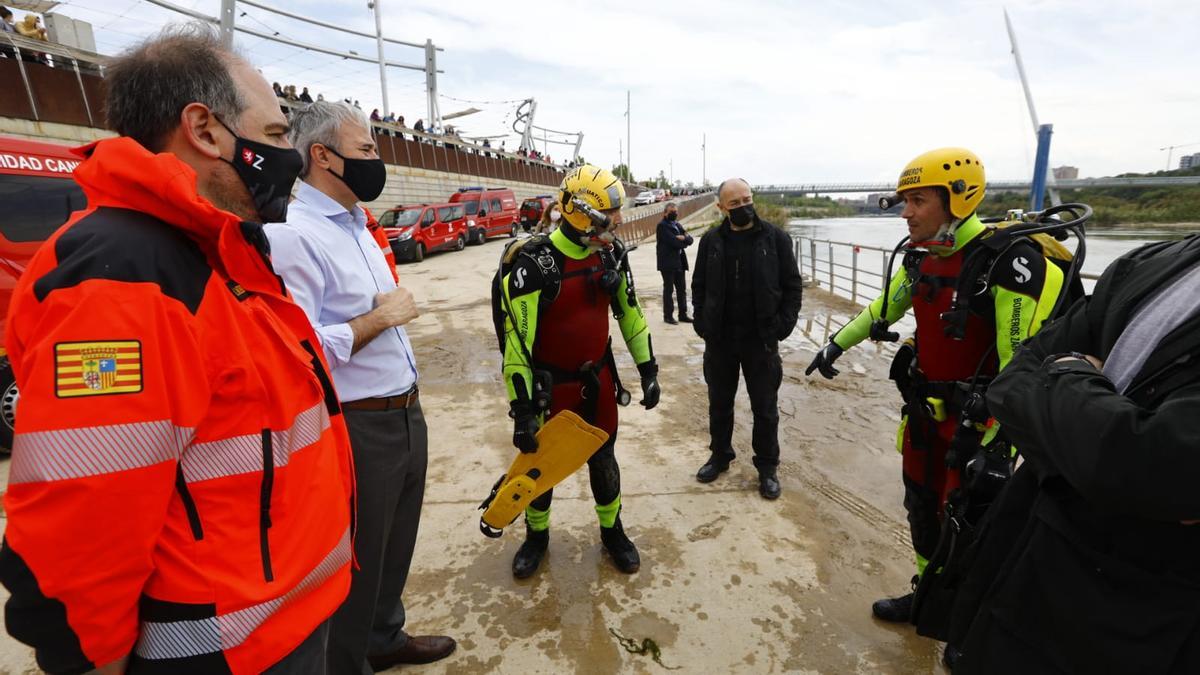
point(745, 298)
point(1104, 406)
point(673, 263)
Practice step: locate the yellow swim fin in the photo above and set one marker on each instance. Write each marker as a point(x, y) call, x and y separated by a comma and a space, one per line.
point(565, 443)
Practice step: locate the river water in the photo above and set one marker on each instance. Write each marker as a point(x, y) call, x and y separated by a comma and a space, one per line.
point(1103, 244)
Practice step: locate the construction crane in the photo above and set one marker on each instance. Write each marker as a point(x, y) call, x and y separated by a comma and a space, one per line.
point(1172, 148)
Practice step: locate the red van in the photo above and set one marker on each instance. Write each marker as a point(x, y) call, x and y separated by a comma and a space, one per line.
point(532, 210)
point(37, 195)
point(418, 229)
point(490, 212)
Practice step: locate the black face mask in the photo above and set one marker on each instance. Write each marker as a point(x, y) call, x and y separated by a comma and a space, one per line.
point(364, 177)
point(672, 216)
point(742, 215)
point(268, 173)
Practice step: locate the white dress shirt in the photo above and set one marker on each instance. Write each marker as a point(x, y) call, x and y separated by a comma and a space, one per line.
point(334, 269)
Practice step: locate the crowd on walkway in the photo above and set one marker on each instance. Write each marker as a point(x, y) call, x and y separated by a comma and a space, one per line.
point(30, 26)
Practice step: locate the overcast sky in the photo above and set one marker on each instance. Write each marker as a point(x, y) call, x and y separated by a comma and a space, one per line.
point(798, 91)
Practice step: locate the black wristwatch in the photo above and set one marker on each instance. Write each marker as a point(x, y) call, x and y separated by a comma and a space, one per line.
point(1075, 356)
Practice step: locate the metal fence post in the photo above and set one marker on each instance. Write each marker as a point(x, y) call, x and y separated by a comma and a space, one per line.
point(854, 277)
point(831, 282)
point(812, 258)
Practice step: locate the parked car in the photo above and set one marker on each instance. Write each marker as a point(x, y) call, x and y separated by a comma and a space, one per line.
point(644, 197)
point(419, 229)
point(37, 195)
point(490, 212)
point(532, 210)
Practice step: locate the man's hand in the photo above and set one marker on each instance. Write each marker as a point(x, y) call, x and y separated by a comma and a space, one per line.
point(525, 427)
point(396, 307)
point(681, 237)
point(823, 361)
point(650, 389)
point(650, 392)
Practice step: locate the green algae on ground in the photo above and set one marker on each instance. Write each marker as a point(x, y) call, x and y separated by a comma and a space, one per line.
point(648, 646)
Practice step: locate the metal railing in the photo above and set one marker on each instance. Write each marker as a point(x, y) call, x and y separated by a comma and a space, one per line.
point(843, 268)
point(641, 222)
point(38, 53)
point(853, 271)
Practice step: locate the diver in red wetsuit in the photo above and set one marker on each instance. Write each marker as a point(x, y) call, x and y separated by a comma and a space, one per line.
point(558, 294)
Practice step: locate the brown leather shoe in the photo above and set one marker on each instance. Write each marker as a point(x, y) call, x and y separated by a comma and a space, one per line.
point(418, 649)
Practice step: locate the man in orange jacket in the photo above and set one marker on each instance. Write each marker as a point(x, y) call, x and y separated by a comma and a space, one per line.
point(181, 483)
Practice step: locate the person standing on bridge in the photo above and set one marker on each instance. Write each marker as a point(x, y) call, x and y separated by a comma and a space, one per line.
point(335, 266)
point(974, 306)
point(673, 263)
point(746, 294)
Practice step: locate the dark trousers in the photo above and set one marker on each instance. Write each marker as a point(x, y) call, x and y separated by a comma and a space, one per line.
point(674, 280)
point(604, 473)
point(390, 456)
point(759, 362)
point(306, 659)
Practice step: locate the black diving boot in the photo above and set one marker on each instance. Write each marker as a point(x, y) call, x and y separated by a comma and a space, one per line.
point(624, 553)
point(895, 610)
point(529, 556)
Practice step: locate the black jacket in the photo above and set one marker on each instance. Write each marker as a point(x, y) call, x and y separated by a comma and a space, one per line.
point(671, 254)
point(777, 283)
point(1104, 577)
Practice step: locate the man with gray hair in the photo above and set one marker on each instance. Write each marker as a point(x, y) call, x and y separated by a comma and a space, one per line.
point(337, 271)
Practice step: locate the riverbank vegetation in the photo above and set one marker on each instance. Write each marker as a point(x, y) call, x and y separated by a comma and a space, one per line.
point(1114, 206)
point(804, 207)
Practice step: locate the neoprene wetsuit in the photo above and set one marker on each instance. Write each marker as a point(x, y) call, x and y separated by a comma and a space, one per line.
point(1017, 292)
point(568, 335)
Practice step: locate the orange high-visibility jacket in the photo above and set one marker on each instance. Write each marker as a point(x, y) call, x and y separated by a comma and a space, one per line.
point(181, 480)
point(380, 237)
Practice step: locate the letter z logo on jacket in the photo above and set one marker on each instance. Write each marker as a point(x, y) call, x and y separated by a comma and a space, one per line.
point(97, 368)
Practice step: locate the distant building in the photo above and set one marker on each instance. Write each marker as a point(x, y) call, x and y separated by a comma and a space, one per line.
point(1066, 172)
point(1189, 161)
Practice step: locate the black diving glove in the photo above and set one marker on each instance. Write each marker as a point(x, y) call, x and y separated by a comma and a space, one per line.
point(650, 389)
point(824, 359)
point(525, 426)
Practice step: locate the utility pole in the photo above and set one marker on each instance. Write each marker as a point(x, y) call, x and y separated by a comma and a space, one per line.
point(379, 46)
point(434, 117)
point(704, 160)
point(672, 178)
point(628, 145)
point(621, 158)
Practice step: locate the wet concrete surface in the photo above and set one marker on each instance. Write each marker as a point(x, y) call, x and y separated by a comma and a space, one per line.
point(729, 582)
